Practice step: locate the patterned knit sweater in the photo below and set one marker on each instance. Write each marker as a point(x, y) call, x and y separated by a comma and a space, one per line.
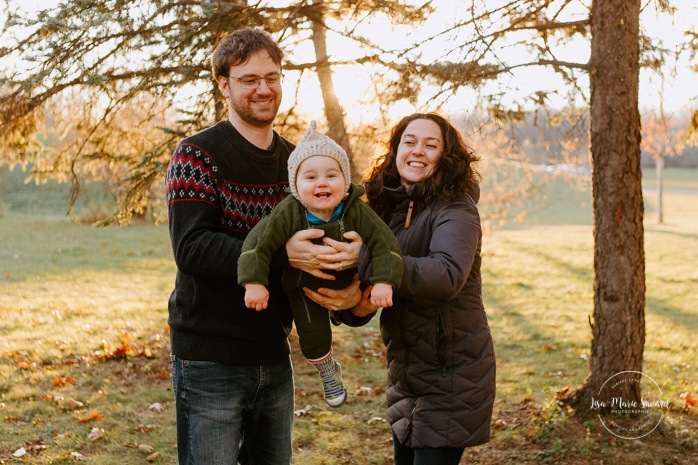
point(219, 186)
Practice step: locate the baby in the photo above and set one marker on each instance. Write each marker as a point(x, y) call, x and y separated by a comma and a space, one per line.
point(323, 197)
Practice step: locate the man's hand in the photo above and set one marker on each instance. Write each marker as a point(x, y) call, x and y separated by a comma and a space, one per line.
point(333, 299)
point(303, 254)
point(345, 254)
point(313, 258)
point(256, 296)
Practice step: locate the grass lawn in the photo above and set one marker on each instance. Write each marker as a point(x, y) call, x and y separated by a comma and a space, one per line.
point(84, 367)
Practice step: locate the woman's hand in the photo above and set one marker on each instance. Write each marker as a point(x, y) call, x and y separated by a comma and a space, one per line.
point(365, 307)
point(337, 299)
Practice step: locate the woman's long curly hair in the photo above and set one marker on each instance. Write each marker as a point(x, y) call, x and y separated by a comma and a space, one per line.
point(453, 175)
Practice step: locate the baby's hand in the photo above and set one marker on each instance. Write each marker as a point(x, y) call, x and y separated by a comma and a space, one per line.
point(382, 295)
point(256, 296)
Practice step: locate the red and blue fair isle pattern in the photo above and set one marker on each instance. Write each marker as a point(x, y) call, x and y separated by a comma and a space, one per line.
point(193, 177)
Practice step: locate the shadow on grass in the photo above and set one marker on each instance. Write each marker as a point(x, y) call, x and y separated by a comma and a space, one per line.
point(656, 306)
point(683, 235)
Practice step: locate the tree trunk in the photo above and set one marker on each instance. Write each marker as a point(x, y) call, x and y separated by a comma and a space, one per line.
point(660, 189)
point(333, 110)
point(618, 328)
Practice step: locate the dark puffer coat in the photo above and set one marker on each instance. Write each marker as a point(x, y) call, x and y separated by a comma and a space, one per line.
point(441, 363)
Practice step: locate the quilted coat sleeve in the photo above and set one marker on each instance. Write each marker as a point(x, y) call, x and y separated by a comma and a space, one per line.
point(453, 237)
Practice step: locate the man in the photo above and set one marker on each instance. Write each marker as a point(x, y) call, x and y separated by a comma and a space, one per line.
point(231, 371)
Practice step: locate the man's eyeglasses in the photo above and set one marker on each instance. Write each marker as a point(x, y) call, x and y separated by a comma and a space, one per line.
point(252, 82)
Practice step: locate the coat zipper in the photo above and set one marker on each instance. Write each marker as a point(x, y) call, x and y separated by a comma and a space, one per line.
point(409, 215)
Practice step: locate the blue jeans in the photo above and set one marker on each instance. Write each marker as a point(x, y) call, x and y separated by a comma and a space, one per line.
point(426, 455)
point(229, 414)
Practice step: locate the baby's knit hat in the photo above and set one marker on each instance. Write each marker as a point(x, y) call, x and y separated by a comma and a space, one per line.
point(316, 143)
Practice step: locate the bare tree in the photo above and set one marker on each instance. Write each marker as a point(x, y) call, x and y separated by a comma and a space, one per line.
point(114, 52)
point(541, 29)
point(661, 138)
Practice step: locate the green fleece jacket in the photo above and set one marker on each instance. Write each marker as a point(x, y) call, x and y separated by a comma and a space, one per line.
point(289, 217)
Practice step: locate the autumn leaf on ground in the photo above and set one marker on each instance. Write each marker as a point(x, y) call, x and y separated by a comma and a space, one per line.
point(122, 352)
point(94, 415)
point(363, 391)
point(303, 411)
point(147, 448)
point(156, 407)
point(24, 365)
point(501, 424)
point(146, 427)
point(60, 381)
point(96, 434)
point(690, 401)
point(152, 457)
point(75, 403)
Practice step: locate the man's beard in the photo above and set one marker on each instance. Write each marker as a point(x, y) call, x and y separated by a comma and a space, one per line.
point(251, 117)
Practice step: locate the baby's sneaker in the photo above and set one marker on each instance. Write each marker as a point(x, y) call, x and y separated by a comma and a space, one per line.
point(335, 393)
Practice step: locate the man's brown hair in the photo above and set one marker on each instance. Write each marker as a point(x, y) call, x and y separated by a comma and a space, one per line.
point(236, 48)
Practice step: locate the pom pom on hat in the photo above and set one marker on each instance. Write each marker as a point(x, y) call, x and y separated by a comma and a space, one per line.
point(316, 143)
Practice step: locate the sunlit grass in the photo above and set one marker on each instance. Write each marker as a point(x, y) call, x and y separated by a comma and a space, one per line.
point(83, 329)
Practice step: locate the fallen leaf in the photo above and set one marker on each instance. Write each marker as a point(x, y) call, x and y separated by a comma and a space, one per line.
point(375, 419)
point(152, 457)
point(96, 434)
point(146, 427)
point(363, 391)
point(147, 448)
point(76, 456)
point(21, 452)
point(22, 365)
point(688, 399)
point(303, 411)
point(60, 381)
point(550, 346)
point(75, 403)
point(562, 392)
point(94, 415)
point(156, 407)
point(500, 424)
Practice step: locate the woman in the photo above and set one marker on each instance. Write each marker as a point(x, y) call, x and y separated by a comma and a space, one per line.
point(441, 364)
